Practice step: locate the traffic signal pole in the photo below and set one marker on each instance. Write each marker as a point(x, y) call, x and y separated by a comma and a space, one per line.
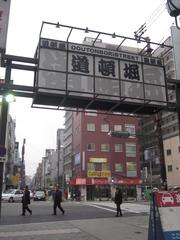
point(3, 124)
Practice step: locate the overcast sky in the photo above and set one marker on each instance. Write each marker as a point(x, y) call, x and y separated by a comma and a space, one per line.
point(120, 16)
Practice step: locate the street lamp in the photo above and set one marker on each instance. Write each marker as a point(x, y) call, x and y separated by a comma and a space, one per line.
point(173, 8)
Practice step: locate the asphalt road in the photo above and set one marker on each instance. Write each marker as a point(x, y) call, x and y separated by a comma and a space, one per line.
point(42, 212)
point(82, 221)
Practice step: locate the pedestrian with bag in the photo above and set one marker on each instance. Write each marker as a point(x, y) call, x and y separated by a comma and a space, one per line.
point(26, 201)
point(57, 199)
point(118, 201)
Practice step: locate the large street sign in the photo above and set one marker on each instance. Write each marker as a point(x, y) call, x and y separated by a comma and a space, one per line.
point(86, 76)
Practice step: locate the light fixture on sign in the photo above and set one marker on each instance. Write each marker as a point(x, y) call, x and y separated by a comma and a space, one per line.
point(58, 25)
point(86, 30)
point(114, 35)
point(173, 8)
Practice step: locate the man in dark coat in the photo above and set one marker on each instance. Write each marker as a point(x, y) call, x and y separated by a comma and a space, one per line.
point(118, 201)
point(26, 201)
point(57, 198)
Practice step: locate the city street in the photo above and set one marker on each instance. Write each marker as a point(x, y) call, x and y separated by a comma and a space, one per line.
point(82, 220)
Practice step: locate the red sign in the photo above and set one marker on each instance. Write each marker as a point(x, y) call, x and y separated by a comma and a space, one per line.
point(168, 199)
point(129, 181)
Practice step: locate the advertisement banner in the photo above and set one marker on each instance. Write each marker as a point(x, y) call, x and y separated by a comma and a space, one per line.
point(169, 209)
point(164, 216)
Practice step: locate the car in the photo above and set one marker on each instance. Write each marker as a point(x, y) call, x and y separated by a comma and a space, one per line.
point(167, 198)
point(175, 188)
point(31, 194)
point(39, 196)
point(12, 195)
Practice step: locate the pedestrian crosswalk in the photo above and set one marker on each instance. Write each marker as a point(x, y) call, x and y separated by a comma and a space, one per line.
point(128, 207)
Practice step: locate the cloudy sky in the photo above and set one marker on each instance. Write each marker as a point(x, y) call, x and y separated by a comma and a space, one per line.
point(122, 17)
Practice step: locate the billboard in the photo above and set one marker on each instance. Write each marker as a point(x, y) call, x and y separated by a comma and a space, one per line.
point(84, 76)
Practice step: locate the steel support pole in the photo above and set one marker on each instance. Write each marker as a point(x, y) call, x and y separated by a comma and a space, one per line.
point(3, 123)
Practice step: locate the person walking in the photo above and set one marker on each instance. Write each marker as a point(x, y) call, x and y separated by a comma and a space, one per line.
point(118, 201)
point(26, 201)
point(57, 198)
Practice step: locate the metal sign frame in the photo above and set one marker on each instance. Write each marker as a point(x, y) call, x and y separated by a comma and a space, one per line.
point(73, 97)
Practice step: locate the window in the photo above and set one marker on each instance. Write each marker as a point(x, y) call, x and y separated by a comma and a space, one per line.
point(130, 150)
point(117, 127)
point(130, 128)
point(118, 147)
point(104, 127)
point(91, 147)
point(131, 169)
point(118, 167)
point(105, 167)
point(179, 149)
point(104, 147)
point(170, 168)
point(168, 152)
point(91, 127)
point(91, 166)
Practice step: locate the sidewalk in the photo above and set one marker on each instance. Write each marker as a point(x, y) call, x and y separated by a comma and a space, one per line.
point(90, 229)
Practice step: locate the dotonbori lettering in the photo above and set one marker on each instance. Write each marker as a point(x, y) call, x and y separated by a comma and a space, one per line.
point(104, 52)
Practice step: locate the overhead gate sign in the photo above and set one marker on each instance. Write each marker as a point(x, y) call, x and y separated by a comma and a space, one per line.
point(84, 76)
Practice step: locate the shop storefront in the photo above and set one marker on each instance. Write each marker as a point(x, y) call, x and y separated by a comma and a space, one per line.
point(91, 189)
point(129, 187)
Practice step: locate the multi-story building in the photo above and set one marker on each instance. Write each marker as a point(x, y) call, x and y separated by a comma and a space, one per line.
point(100, 161)
point(165, 144)
point(68, 147)
point(13, 161)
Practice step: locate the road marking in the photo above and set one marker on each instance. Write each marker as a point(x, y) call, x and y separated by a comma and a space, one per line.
point(108, 209)
point(39, 232)
point(111, 210)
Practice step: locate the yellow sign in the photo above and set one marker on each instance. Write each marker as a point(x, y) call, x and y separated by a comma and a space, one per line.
point(98, 160)
point(102, 174)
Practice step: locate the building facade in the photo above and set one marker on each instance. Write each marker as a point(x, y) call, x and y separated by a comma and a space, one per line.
point(101, 162)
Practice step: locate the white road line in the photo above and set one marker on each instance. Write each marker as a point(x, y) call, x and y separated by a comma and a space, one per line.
point(111, 210)
point(93, 205)
point(39, 232)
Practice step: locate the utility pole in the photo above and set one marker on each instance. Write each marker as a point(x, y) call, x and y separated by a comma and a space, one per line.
point(23, 182)
point(58, 158)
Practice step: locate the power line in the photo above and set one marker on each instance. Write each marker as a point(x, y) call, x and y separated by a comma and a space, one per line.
point(153, 17)
point(157, 12)
point(156, 15)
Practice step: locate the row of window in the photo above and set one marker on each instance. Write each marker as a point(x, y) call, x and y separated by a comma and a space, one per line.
point(117, 127)
point(131, 168)
point(130, 148)
point(169, 152)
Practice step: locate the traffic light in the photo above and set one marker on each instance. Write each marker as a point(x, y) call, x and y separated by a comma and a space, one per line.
point(119, 134)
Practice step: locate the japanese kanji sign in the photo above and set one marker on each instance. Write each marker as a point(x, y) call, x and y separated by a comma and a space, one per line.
point(87, 71)
point(4, 18)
